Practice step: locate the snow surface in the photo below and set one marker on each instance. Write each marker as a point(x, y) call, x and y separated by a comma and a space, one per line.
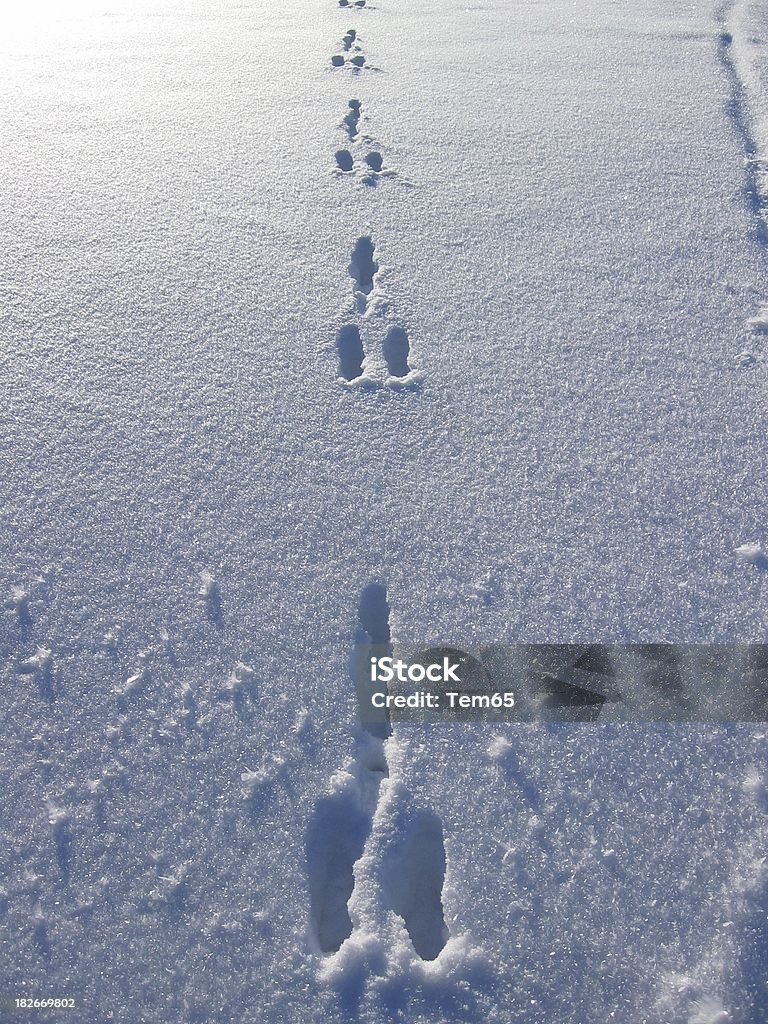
point(200, 488)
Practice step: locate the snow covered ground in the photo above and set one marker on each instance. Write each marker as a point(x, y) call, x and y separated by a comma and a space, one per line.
point(502, 379)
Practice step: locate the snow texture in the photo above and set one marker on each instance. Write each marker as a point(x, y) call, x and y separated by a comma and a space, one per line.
point(337, 324)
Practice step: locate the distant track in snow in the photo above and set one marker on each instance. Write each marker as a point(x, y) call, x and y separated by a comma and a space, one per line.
point(370, 163)
point(364, 266)
point(349, 40)
point(749, 95)
point(395, 362)
point(364, 269)
point(352, 56)
point(351, 121)
point(738, 109)
point(344, 160)
point(371, 166)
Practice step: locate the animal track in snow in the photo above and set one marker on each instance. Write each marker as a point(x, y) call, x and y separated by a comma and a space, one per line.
point(350, 350)
point(413, 858)
point(344, 160)
point(351, 56)
point(371, 164)
point(355, 368)
point(375, 164)
point(40, 932)
point(371, 167)
point(352, 119)
point(396, 350)
point(373, 638)
point(373, 613)
point(352, 3)
point(241, 682)
point(363, 269)
point(355, 63)
point(342, 821)
point(737, 110)
point(335, 842)
point(413, 874)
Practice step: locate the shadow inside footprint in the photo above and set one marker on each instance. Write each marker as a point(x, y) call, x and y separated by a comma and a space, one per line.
point(350, 351)
point(344, 160)
point(413, 875)
point(396, 349)
point(334, 842)
point(373, 640)
point(363, 267)
point(373, 613)
point(352, 118)
point(374, 161)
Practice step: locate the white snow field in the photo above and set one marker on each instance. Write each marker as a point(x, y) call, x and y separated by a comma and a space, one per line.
point(458, 336)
